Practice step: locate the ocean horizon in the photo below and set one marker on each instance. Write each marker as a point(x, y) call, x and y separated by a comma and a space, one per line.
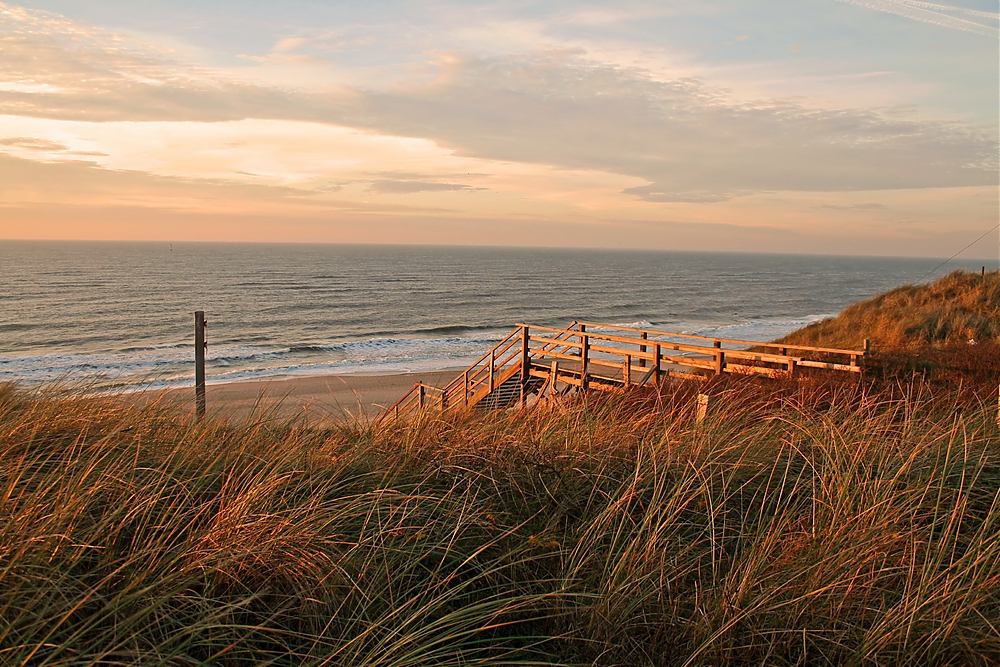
point(119, 314)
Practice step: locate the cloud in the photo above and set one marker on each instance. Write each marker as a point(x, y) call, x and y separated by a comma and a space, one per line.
point(655, 193)
point(408, 187)
point(662, 138)
point(687, 140)
point(32, 144)
point(863, 206)
point(945, 16)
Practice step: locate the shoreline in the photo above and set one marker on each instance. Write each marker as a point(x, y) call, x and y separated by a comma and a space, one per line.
point(323, 397)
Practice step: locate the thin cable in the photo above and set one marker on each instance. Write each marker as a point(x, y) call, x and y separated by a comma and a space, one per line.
point(988, 231)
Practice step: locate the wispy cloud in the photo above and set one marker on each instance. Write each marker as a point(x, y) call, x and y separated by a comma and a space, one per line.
point(946, 16)
point(410, 187)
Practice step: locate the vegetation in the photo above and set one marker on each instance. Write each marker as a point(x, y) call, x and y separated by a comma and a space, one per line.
point(798, 524)
point(958, 308)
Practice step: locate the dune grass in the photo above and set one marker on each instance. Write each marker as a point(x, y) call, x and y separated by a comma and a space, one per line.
point(796, 525)
point(959, 307)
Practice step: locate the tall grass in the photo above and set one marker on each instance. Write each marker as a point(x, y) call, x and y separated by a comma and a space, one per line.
point(959, 307)
point(797, 526)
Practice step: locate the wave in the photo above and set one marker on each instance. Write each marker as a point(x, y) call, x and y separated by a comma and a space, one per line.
point(173, 362)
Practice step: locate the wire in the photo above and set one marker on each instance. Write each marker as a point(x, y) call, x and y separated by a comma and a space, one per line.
point(984, 235)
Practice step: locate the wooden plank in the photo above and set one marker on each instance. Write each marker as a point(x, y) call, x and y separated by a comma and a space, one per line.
point(829, 366)
point(741, 369)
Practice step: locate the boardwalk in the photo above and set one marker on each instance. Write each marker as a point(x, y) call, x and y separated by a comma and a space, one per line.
point(534, 361)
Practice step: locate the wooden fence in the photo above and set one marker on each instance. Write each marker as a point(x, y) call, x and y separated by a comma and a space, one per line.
point(533, 359)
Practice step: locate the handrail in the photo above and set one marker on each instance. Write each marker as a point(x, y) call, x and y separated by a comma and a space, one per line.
point(514, 354)
point(729, 341)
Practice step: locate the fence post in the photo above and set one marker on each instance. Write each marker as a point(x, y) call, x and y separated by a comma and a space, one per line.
point(553, 377)
point(525, 365)
point(584, 356)
point(702, 408)
point(200, 344)
point(493, 361)
point(466, 375)
point(421, 396)
point(627, 371)
point(656, 373)
point(720, 361)
point(642, 348)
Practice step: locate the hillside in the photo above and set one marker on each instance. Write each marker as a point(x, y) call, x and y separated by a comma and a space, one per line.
point(950, 311)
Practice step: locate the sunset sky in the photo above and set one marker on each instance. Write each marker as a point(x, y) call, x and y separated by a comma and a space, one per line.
point(817, 126)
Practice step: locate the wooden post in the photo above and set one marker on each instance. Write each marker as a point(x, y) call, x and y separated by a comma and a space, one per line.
point(720, 361)
point(444, 402)
point(553, 377)
point(627, 371)
point(867, 346)
point(656, 372)
point(466, 374)
point(702, 408)
point(525, 365)
point(493, 361)
point(792, 365)
point(421, 396)
point(200, 345)
point(642, 348)
point(584, 356)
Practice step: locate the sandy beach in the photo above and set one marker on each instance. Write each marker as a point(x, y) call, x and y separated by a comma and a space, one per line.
point(316, 397)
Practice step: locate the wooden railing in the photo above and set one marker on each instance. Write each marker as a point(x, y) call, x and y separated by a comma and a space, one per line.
point(589, 355)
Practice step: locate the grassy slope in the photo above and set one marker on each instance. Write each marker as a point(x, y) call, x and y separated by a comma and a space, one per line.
point(796, 525)
point(949, 311)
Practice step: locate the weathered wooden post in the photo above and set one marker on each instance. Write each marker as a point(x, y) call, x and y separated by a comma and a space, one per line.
point(642, 348)
point(702, 408)
point(584, 356)
point(627, 371)
point(525, 365)
point(466, 376)
point(493, 362)
point(421, 395)
point(720, 361)
point(656, 362)
point(200, 345)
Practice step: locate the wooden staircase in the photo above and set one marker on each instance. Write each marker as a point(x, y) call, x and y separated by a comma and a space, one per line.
point(532, 361)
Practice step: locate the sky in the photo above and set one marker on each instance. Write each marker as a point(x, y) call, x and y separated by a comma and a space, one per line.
point(807, 126)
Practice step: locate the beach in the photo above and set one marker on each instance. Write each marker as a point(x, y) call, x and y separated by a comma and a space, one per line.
point(320, 397)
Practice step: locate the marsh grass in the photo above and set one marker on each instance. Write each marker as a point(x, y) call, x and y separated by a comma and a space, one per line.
point(796, 525)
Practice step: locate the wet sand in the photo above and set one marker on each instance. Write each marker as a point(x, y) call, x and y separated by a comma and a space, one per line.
point(316, 397)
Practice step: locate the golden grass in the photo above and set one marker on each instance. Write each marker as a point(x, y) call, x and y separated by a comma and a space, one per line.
point(958, 307)
point(797, 525)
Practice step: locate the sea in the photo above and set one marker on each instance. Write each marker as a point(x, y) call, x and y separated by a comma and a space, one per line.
point(120, 315)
